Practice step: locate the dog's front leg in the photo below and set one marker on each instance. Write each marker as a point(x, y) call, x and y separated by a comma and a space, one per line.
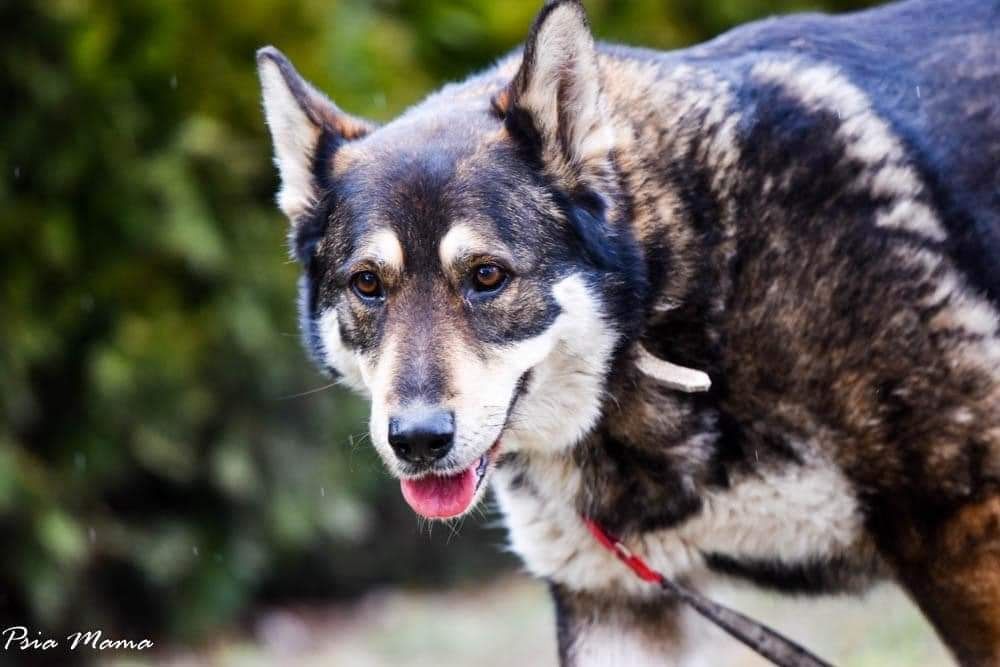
point(599, 630)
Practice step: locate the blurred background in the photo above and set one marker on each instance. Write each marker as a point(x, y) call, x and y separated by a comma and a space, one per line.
point(170, 465)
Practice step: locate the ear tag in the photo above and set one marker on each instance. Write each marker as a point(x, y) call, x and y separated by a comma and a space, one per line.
point(676, 377)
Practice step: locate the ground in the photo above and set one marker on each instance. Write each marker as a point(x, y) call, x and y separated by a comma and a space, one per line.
point(509, 622)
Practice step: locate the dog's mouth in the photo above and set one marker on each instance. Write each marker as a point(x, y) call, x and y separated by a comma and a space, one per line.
point(442, 496)
point(437, 496)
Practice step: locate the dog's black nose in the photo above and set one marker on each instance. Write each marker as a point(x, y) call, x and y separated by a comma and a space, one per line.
point(422, 437)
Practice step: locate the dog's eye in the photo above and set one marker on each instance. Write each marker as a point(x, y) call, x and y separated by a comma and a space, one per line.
point(367, 285)
point(488, 278)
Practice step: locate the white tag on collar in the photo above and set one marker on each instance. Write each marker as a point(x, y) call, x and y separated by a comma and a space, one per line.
point(676, 377)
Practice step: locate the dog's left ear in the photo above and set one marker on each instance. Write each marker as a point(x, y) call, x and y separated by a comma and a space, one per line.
point(306, 128)
point(555, 98)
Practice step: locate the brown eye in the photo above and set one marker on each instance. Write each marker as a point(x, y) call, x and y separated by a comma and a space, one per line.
point(488, 278)
point(367, 285)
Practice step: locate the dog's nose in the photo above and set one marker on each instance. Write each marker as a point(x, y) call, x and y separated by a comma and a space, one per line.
point(422, 437)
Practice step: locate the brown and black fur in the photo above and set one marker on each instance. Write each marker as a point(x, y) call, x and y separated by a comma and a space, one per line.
point(807, 209)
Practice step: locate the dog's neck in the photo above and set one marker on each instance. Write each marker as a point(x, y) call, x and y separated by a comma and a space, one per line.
point(676, 175)
point(655, 450)
point(685, 227)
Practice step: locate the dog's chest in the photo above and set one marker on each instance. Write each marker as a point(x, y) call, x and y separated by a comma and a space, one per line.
point(799, 514)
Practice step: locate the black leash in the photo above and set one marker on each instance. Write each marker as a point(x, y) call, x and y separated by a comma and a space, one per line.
point(766, 642)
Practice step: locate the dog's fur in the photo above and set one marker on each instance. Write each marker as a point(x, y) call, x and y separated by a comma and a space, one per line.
point(808, 209)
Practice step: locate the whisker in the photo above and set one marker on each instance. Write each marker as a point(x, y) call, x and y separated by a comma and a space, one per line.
point(307, 393)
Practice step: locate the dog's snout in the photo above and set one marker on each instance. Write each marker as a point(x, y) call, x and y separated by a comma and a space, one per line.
point(422, 437)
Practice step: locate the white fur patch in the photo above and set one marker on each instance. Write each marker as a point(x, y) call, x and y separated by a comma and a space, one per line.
point(337, 355)
point(563, 401)
point(792, 515)
point(614, 645)
point(483, 390)
point(964, 309)
point(457, 243)
point(384, 249)
point(867, 137)
point(788, 515)
point(378, 378)
point(914, 216)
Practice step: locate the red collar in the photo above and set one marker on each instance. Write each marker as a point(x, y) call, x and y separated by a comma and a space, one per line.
point(614, 545)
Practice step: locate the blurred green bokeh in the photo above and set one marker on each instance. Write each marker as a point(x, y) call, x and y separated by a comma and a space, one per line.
point(159, 471)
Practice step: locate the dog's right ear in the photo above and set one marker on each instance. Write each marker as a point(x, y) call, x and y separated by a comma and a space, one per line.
point(554, 103)
point(306, 128)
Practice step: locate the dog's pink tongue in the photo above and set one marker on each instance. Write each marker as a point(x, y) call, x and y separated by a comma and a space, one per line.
point(440, 497)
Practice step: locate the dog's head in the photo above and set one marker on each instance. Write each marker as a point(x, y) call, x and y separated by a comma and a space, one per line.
point(469, 266)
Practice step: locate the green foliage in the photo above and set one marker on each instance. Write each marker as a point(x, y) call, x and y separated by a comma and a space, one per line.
point(155, 473)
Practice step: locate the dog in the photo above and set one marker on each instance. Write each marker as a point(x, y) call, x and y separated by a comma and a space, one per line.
point(738, 304)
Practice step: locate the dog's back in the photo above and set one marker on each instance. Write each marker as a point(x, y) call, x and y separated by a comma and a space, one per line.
point(931, 69)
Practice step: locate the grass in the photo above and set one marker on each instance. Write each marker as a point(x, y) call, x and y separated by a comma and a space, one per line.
point(509, 622)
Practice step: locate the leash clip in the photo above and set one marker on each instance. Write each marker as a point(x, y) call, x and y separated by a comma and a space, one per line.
point(681, 378)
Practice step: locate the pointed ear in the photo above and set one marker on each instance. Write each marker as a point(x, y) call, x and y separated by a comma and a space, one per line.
point(555, 98)
point(306, 128)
